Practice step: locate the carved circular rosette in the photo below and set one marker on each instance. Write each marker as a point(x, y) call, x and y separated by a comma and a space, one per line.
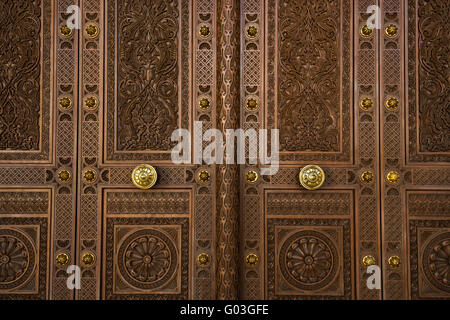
point(144, 176)
point(311, 177)
point(17, 258)
point(309, 260)
point(147, 259)
point(436, 261)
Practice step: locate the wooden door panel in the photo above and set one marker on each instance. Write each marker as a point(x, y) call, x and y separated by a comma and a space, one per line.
point(37, 146)
point(415, 145)
point(147, 64)
point(308, 68)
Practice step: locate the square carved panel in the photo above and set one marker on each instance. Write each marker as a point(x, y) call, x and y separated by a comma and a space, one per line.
point(309, 259)
point(147, 258)
point(429, 242)
point(23, 258)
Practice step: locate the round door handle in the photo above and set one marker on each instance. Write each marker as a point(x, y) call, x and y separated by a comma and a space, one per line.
point(311, 177)
point(144, 176)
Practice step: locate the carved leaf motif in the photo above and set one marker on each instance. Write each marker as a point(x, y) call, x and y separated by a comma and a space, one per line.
point(148, 74)
point(309, 75)
point(19, 75)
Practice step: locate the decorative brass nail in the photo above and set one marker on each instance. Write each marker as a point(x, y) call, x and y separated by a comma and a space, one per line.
point(391, 30)
point(251, 104)
point(90, 176)
point(92, 30)
point(65, 103)
point(252, 176)
point(204, 31)
point(65, 31)
point(394, 261)
point(91, 103)
point(368, 261)
point(203, 259)
point(64, 176)
point(251, 260)
point(391, 104)
point(366, 104)
point(204, 176)
point(393, 177)
point(367, 177)
point(204, 103)
point(88, 259)
point(365, 31)
point(144, 176)
point(252, 32)
point(62, 259)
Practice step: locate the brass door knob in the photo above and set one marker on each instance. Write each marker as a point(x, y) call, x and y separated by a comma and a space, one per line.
point(144, 176)
point(311, 177)
point(394, 261)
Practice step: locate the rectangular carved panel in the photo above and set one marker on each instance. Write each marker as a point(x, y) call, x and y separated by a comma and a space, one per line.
point(25, 80)
point(311, 56)
point(147, 77)
point(428, 81)
point(25, 201)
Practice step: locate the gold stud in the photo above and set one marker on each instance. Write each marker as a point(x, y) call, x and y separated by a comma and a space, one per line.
point(203, 259)
point(64, 176)
point(251, 104)
point(88, 259)
point(394, 262)
point(204, 31)
point(65, 103)
point(252, 32)
point(62, 259)
point(391, 104)
point(92, 30)
point(89, 176)
point(311, 177)
point(65, 31)
point(368, 261)
point(204, 103)
point(91, 103)
point(204, 176)
point(365, 31)
point(252, 176)
point(366, 104)
point(391, 30)
point(393, 177)
point(251, 260)
point(367, 177)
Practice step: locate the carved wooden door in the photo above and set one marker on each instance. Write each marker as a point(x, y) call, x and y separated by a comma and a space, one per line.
point(147, 69)
point(415, 136)
point(371, 108)
point(307, 67)
point(38, 121)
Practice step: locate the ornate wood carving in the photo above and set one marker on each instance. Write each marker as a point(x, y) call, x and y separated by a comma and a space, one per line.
point(228, 35)
point(148, 62)
point(428, 81)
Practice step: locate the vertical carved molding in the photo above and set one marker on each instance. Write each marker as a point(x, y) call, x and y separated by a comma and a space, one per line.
point(227, 175)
